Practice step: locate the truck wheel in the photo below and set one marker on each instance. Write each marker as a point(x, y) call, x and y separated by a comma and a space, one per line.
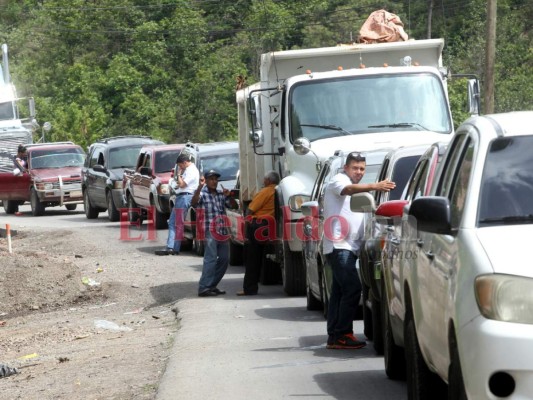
point(367, 314)
point(10, 206)
point(422, 384)
point(37, 208)
point(394, 355)
point(293, 272)
point(90, 211)
point(235, 253)
point(270, 273)
point(133, 210)
point(71, 207)
point(113, 214)
point(313, 304)
point(456, 386)
point(377, 330)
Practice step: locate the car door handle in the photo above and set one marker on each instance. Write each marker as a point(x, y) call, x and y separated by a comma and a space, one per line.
point(430, 255)
point(419, 242)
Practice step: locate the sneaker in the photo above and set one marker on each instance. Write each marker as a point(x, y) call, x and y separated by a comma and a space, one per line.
point(207, 293)
point(347, 341)
point(218, 291)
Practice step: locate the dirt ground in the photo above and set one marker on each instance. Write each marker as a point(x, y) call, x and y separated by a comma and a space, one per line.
point(78, 327)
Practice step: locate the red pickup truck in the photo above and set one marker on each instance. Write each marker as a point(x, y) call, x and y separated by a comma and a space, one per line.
point(52, 178)
point(146, 188)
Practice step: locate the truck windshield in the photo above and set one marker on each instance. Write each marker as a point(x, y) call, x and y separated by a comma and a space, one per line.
point(56, 158)
point(325, 108)
point(507, 183)
point(7, 111)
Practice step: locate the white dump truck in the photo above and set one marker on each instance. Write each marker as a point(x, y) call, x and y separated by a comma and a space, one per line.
point(310, 103)
point(14, 128)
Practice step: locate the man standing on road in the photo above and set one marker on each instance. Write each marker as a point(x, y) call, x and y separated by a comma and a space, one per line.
point(185, 184)
point(259, 213)
point(341, 246)
point(210, 218)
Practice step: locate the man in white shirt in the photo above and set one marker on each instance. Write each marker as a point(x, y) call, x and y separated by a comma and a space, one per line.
point(184, 185)
point(343, 233)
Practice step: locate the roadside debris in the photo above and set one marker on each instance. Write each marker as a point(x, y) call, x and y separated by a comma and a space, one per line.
point(89, 281)
point(111, 326)
point(6, 371)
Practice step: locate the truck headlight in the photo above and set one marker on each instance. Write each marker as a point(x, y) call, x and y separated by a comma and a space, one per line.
point(505, 298)
point(164, 189)
point(44, 186)
point(296, 201)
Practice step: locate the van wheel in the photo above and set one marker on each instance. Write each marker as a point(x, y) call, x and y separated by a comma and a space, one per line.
point(113, 214)
point(37, 208)
point(90, 211)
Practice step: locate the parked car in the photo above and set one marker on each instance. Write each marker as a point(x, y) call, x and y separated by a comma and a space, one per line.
point(318, 272)
point(223, 157)
point(465, 299)
point(102, 173)
point(146, 188)
point(52, 178)
point(388, 214)
point(397, 166)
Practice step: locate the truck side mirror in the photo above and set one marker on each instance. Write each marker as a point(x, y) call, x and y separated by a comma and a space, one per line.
point(257, 137)
point(31, 105)
point(473, 96)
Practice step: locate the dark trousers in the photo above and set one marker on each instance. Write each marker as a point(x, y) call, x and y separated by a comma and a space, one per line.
point(345, 292)
point(254, 256)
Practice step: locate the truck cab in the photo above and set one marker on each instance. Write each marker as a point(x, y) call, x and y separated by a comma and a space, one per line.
point(311, 102)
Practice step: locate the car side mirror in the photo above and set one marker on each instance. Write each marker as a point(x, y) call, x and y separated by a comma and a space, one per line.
point(362, 202)
point(99, 168)
point(432, 214)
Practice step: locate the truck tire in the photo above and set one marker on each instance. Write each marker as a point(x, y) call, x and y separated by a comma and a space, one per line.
point(37, 208)
point(113, 214)
point(90, 211)
point(10, 206)
point(294, 282)
point(377, 331)
point(393, 355)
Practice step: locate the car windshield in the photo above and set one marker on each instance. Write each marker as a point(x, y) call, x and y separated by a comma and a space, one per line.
point(507, 183)
point(57, 158)
point(346, 106)
point(123, 157)
point(226, 165)
point(166, 160)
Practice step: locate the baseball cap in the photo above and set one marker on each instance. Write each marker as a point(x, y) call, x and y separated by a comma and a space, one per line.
point(210, 173)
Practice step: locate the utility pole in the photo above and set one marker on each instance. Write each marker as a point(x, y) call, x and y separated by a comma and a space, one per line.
point(490, 54)
point(430, 17)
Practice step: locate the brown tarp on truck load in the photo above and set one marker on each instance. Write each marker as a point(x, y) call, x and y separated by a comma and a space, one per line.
point(382, 26)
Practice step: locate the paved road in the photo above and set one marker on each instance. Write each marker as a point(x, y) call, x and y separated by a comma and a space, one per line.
point(263, 347)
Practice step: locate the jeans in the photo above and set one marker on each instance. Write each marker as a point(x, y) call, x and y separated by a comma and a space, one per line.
point(176, 221)
point(216, 256)
point(345, 292)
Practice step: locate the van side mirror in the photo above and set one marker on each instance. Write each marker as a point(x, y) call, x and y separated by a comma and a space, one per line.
point(146, 171)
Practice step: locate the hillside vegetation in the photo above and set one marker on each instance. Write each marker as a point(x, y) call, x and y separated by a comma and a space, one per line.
point(168, 68)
